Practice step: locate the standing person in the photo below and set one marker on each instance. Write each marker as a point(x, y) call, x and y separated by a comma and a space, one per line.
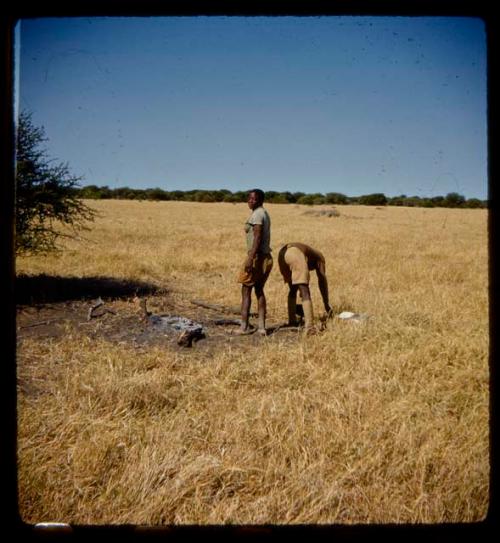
point(258, 263)
point(295, 261)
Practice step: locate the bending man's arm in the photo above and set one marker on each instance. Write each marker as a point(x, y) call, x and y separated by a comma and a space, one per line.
point(323, 285)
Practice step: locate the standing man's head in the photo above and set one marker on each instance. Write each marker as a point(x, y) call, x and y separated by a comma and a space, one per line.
point(255, 198)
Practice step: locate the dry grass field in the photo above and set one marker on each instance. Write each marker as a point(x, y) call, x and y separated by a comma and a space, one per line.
point(384, 421)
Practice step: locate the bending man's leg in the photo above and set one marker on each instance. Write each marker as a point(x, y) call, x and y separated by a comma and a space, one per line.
point(307, 305)
point(292, 305)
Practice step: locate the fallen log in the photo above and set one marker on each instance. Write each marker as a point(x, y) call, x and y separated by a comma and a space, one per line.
point(40, 323)
point(222, 322)
point(187, 337)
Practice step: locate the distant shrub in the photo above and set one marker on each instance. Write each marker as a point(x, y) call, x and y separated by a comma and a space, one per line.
point(336, 198)
point(311, 199)
point(474, 203)
point(376, 199)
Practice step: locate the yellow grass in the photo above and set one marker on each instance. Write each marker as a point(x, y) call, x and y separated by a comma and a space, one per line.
point(381, 422)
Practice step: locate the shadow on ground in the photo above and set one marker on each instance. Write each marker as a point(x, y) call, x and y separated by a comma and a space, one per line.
point(35, 289)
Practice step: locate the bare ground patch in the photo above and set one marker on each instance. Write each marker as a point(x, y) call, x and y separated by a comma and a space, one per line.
point(122, 320)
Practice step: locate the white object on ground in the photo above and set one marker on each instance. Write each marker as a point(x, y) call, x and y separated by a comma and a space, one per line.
point(355, 317)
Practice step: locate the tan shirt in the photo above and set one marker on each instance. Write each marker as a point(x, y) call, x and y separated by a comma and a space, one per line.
point(259, 216)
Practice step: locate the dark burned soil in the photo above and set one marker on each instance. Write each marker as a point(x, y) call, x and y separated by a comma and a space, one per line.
point(126, 313)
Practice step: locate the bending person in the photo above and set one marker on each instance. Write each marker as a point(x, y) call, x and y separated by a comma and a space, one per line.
point(296, 260)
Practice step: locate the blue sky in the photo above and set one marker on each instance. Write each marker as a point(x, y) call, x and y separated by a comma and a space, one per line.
point(349, 104)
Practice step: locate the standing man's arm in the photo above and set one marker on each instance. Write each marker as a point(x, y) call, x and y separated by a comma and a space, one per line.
point(257, 238)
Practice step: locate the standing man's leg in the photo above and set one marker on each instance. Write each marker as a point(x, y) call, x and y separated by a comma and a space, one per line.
point(246, 302)
point(265, 267)
point(262, 308)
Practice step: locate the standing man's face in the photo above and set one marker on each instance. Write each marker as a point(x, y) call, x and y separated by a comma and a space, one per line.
point(253, 201)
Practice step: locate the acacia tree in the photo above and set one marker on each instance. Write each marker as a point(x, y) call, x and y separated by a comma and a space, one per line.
point(46, 195)
point(453, 199)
